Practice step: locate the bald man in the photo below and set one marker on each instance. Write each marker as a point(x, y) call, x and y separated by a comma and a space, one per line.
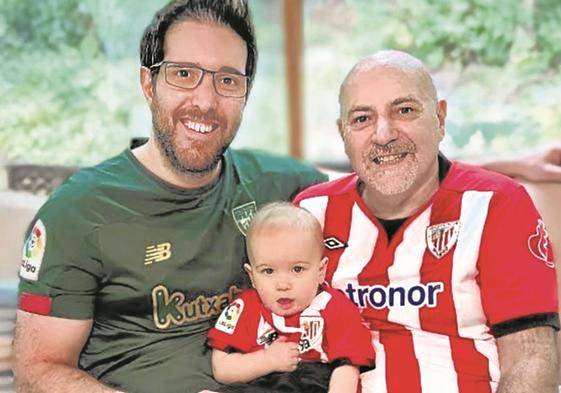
point(449, 263)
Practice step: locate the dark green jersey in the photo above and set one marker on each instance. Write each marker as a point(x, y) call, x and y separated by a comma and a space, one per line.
point(151, 264)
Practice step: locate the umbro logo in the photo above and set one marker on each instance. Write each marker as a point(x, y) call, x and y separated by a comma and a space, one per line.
point(157, 253)
point(332, 243)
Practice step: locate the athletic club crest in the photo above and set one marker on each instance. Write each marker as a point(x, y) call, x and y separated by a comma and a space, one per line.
point(243, 214)
point(538, 244)
point(312, 332)
point(442, 237)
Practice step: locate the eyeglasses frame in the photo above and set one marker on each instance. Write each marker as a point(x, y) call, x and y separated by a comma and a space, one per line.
point(165, 63)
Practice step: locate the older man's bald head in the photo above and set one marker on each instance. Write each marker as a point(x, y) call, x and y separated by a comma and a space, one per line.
point(396, 60)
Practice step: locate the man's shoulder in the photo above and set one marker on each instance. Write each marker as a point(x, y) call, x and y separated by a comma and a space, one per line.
point(87, 184)
point(256, 162)
point(467, 177)
point(338, 186)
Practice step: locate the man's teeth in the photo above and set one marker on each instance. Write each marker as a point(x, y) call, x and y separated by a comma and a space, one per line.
point(389, 159)
point(199, 127)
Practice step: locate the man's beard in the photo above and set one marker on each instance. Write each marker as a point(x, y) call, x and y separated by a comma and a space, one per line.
point(391, 180)
point(199, 158)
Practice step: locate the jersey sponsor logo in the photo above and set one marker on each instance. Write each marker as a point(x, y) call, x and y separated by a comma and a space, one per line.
point(380, 296)
point(173, 309)
point(332, 243)
point(312, 334)
point(243, 215)
point(230, 316)
point(538, 244)
point(442, 237)
point(157, 253)
point(33, 251)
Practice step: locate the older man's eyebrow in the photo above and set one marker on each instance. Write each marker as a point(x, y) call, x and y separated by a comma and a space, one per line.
point(363, 108)
point(401, 100)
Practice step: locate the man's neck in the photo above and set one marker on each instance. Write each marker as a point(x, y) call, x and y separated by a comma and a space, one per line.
point(152, 159)
point(403, 204)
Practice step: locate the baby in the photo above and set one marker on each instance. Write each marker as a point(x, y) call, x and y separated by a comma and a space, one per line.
point(291, 330)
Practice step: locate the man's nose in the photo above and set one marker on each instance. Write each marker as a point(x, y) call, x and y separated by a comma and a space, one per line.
point(384, 131)
point(204, 95)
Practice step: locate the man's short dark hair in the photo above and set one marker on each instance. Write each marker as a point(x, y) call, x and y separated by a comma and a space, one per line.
point(232, 13)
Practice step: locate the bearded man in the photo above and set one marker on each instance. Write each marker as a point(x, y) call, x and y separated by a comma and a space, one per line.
point(137, 256)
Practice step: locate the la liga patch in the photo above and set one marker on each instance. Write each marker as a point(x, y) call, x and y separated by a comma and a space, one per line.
point(33, 251)
point(230, 317)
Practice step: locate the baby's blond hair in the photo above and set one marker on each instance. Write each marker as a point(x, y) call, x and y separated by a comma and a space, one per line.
point(283, 215)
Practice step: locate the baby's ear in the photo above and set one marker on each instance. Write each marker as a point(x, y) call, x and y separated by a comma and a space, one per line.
point(323, 268)
point(249, 271)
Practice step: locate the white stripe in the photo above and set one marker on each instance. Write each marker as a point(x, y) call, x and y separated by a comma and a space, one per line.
point(319, 303)
point(360, 247)
point(465, 290)
point(374, 381)
point(317, 206)
point(280, 324)
point(436, 365)
point(488, 348)
point(405, 271)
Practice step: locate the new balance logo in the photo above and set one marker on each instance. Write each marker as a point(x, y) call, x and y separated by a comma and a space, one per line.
point(158, 253)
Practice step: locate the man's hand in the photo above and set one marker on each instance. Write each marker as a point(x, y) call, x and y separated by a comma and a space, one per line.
point(544, 166)
point(283, 355)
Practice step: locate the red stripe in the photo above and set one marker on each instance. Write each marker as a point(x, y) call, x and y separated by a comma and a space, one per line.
point(441, 319)
point(402, 370)
point(472, 367)
point(36, 304)
point(338, 216)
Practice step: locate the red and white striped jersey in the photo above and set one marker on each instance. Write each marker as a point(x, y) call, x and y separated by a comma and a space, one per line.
point(474, 256)
point(329, 329)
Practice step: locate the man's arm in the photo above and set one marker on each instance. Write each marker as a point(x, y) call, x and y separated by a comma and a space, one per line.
point(46, 355)
point(539, 167)
point(528, 361)
point(344, 379)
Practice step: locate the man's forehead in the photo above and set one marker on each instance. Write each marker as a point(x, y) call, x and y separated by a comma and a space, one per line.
point(383, 76)
point(205, 41)
point(382, 84)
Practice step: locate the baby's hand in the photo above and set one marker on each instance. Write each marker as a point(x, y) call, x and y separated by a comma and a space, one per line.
point(282, 355)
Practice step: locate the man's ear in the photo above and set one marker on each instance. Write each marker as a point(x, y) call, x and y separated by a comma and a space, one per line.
point(442, 111)
point(147, 84)
point(340, 127)
point(249, 271)
point(323, 269)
